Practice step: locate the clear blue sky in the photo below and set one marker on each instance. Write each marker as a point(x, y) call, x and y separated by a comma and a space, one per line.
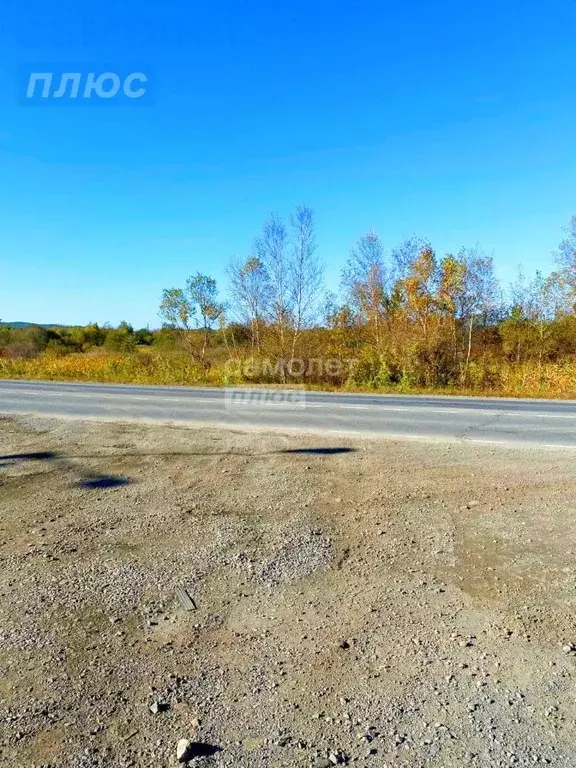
point(455, 121)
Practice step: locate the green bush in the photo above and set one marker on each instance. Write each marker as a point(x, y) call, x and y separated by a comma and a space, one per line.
point(121, 340)
point(408, 381)
point(369, 370)
point(58, 348)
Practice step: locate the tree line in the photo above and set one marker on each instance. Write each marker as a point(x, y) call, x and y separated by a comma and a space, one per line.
point(406, 317)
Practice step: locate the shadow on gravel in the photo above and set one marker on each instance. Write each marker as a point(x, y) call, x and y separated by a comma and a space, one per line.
point(320, 451)
point(105, 481)
point(41, 456)
point(197, 749)
point(90, 482)
point(183, 454)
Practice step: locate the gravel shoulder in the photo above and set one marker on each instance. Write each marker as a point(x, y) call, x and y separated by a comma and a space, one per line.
point(376, 603)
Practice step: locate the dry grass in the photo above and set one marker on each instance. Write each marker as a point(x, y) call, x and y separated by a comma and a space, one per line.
point(103, 367)
point(551, 380)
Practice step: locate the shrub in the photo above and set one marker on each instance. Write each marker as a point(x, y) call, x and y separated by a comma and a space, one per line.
point(370, 370)
point(121, 340)
point(20, 350)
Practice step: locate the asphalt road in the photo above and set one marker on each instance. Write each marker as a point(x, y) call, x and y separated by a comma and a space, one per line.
point(544, 423)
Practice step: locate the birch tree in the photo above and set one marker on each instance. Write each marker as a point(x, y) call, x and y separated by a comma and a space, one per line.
point(364, 279)
point(193, 311)
point(305, 275)
point(250, 294)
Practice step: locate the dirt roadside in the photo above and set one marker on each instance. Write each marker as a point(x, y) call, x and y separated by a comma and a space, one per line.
point(374, 603)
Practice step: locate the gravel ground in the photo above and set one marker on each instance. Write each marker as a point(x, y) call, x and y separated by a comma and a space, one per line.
point(373, 603)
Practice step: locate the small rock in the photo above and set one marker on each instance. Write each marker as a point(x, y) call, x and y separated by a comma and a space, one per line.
point(183, 749)
point(344, 644)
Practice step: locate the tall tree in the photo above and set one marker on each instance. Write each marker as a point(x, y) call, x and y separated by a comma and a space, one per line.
point(291, 280)
point(271, 249)
point(420, 288)
point(203, 293)
point(480, 296)
point(451, 290)
point(527, 331)
point(365, 280)
point(566, 258)
point(305, 275)
point(250, 293)
point(193, 311)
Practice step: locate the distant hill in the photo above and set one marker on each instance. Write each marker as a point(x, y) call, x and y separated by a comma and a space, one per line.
point(41, 325)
